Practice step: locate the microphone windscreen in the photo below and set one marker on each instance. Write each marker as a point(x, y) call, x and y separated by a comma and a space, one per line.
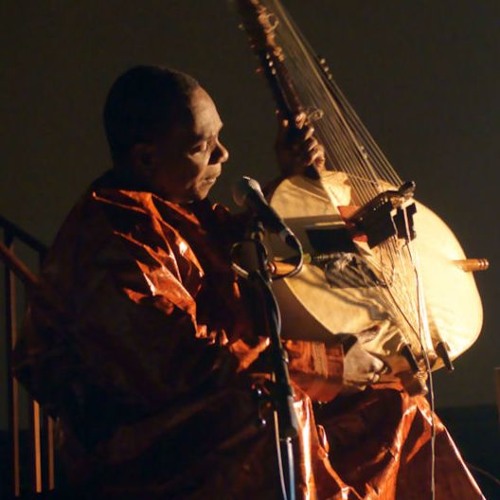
point(244, 187)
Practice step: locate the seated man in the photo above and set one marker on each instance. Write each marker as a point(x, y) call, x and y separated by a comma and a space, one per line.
point(141, 343)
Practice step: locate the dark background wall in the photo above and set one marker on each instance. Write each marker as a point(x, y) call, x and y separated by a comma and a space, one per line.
point(423, 75)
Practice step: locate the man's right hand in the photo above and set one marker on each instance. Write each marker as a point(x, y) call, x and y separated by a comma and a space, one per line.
point(360, 368)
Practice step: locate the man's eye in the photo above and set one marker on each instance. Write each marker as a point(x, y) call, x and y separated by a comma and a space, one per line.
point(198, 148)
point(202, 147)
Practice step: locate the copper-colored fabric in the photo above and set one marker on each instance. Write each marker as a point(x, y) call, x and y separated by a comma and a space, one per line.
point(380, 444)
point(142, 344)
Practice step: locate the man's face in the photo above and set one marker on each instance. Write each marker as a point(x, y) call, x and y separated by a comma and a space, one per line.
point(187, 161)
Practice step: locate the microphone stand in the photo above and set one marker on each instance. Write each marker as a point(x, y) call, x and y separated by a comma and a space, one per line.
point(286, 426)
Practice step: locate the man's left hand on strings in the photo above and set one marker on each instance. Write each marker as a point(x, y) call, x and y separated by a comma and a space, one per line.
point(297, 147)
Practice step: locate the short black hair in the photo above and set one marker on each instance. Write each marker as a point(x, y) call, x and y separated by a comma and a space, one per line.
point(141, 104)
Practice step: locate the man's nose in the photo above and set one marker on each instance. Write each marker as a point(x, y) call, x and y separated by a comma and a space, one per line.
point(220, 154)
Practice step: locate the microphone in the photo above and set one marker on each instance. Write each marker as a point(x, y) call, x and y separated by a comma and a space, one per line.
point(248, 193)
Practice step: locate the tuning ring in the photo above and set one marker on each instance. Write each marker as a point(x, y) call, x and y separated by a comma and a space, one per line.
point(273, 21)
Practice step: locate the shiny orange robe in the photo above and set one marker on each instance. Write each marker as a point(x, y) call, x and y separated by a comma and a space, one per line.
point(142, 344)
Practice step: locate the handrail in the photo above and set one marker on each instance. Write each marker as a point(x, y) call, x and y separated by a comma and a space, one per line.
point(41, 427)
point(20, 234)
point(18, 267)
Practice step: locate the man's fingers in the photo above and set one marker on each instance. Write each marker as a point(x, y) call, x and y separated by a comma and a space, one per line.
point(296, 145)
point(300, 120)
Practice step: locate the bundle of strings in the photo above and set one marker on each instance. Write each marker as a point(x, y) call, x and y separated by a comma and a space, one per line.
point(350, 148)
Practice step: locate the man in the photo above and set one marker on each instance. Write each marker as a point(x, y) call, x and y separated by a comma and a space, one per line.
point(142, 344)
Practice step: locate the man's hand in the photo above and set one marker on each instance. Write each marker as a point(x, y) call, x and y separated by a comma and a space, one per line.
point(297, 148)
point(360, 368)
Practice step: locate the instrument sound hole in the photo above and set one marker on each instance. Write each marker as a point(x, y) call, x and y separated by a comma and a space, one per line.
point(346, 270)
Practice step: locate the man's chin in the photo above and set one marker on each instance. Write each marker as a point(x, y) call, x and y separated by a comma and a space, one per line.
point(204, 190)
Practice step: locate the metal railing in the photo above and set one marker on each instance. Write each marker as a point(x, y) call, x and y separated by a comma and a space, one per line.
point(40, 474)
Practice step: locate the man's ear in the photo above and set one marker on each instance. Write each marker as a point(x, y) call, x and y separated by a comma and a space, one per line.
point(142, 157)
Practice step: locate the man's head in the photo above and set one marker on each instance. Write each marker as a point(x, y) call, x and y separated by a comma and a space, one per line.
point(163, 128)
